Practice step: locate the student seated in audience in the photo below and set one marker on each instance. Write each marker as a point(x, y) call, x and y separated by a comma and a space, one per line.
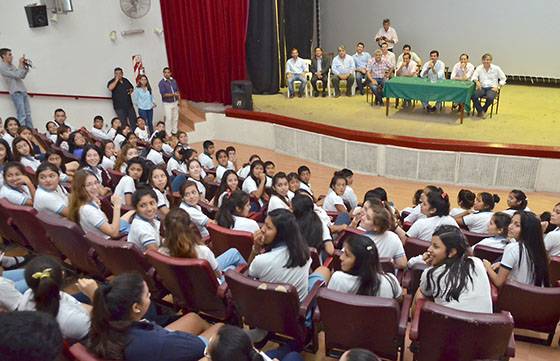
point(552, 239)
point(144, 230)
point(407, 50)
point(183, 139)
point(454, 279)
point(435, 206)
point(296, 68)
point(91, 161)
point(478, 221)
point(97, 130)
point(190, 197)
point(205, 158)
point(255, 183)
point(462, 70)
point(434, 70)
point(377, 220)
point(516, 201)
point(228, 185)
point(63, 135)
point(223, 164)
point(378, 71)
point(5, 157)
point(269, 170)
point(61, 120)
point(499, 229)
point(158, 180)
point(246, 169)
point(44, 276)
point(232, 157)
point(109, 154)
point(115, 128)
point(195, 174)
point(27, 133)
point(50, 196)
point(23, 152)
point(349, 196)
point(142, 131)
point(30, 336)
point(361, 59)
point(524, 261)
point(132, 139)
point(76, 144)
point(415, 202)
point(84, 208)
point(11, 127)
point(387, 55)
point(293, 182)
point(120, 332)
point(359, 354)
point(18, 188)
point(234, 212)
point(342, 68)
point(488, 78)
point(314, 231)
point(155, 152)
point(135, 174)
point(122, 134)
point(281, 195)
point(182, 241)
point(159, 128)
point(128, 151)
point(465, 200)
point(176, 162)
point(361, 271)
point(333, 201)
point(51, 131)
point(67, 170)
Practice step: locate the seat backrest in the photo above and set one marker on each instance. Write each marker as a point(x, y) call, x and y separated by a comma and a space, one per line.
point(448, 334)
point(351, 321)
point(415, 247)
point(192, 283)
point(209, 210)
point(25, 219)
point(534, 308)
point(414, 274)
point(344, 235)
point(490, 253)
point(115, 176)
point(7, 231)
point(211, 189)
point(255, 300)
point(223, 239)
point(30, 173)
point(554, 270)
point(80, 353)
point(473, 238)
point(68, 238)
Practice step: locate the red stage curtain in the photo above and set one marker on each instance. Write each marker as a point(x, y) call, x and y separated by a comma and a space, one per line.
point(205, 41)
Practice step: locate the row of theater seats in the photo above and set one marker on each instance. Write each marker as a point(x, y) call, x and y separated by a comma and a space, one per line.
point(348, 321)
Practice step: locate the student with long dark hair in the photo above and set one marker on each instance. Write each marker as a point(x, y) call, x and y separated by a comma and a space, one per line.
point(416, 212)
point(516, 201)
point(119, 331)
point(281, 195)
point(255, 183)
point(17, 188)
point(524, 261)
point(76, 143)
point(478, 221)
point(359, 354)
point(234, 212)
point(499, 229)
point(314, 231)
point(195, 174)
point(465, 200)
point(5, 157)
point(361, 271)
point(454, 279)
point(144, 229)
point(24, 153)
point(228, 185)
point(333, 201)
point(159, 181)
point(135, 174)
point(11, 125)
point(245, 170)
point(91, 161)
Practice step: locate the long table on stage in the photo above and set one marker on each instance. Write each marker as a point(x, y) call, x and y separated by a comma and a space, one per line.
point(422, 89)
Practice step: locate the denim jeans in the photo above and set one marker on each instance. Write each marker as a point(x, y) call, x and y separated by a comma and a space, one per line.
point(18, 277)
point(487, 93)
point(148, 116)
point(230, 259)
point(377, 89)
point(21, 102)
point(297, 77)
point(361, 80)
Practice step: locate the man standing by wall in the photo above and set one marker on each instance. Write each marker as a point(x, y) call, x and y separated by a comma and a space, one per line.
point(170, 96)
point(387, 34)
point(121, 89)
point(13, 77)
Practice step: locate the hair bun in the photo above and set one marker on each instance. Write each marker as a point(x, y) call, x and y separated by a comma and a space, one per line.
point(496, 198)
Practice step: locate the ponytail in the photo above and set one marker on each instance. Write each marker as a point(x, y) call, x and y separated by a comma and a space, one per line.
point(230, 203)
point(44, 276)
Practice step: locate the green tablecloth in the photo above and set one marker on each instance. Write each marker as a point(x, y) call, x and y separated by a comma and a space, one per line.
point(457, 91)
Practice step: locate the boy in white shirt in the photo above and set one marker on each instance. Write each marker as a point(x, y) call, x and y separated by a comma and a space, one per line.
point(205, 158)
point(97, 129)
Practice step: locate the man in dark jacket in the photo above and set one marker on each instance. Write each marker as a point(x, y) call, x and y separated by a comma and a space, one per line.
point(320, 65)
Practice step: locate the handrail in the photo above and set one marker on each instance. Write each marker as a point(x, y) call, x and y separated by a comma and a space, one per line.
point(74, 96)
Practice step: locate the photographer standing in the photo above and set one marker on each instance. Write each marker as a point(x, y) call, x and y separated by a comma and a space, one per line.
point(13, 77)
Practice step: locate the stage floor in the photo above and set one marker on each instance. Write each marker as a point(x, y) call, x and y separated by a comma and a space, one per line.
point(527, 115)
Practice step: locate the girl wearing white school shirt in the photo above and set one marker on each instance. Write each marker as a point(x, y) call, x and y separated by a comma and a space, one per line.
point(416, 212)
point(109, 157)
point(144, 230)
point(499, 229)
point(333, 202)
point(234, 211)
point(483, 205)
point(177, 162)
point(142, 131)
point(516, 201)
point(349, 196)
point(465, 200)
point(191, 197)
point(223, 164)
point(159, 182)
point(195, 174)
point(552, 239)
point(18, 188)
point(281, 194)
point(524, 261)
point(50, 196)
point(90, 160)
point(229, 184)
point(23, 152)
point(5, 157)
point(254, 184)
point(135, 173)
point(155, 154)
point(244, 171)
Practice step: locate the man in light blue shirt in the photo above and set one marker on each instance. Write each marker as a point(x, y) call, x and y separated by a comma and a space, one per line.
point(295, 71)
point(13, 77)
point(361, 59)
point(343, 68)
point(434, 69)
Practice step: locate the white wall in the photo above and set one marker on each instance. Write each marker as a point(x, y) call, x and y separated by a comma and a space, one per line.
point(512, 30)
point(76, 56)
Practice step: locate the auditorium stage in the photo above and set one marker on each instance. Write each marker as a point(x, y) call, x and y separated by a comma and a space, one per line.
point(527, 116)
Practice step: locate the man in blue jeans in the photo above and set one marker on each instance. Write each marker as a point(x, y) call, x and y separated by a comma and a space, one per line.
point(13, 77)
point(488, 78)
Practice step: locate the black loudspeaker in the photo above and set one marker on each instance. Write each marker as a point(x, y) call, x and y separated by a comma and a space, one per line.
point(37, 15)
point(242, 94)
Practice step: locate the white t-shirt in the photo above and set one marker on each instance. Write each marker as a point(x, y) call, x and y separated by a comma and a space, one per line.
point(276, 203)
point(456, 211)
point(205, 161)
point(220, 170)
point(144, 233)
point(424, 228)
point(415, 215)
point(243, 172)
point(203, 252)
point(73, 319)
point(249, 185)
point(162, 200)
point(269, 267)
point(521, 272)
point(15, 196)
point(54, 201)
point(91, 218)
point(197, 217)
point(126, 186)
point(350, 197)
point(119, 139)
point(201, 188)
point(347, 283)
point(8, 138)
point(174, 164)
point(100, 134)
point(499, 242)
point(388, 244)
point(475, 297)
point(331, 201)
point(9, 295)
point(245, 224)
point(30, 162)
point(478, 222)
point(143, 135)
point(155, 157)
point(511, 212)
point(552, 243)
point(108, 163)
point(306, 187)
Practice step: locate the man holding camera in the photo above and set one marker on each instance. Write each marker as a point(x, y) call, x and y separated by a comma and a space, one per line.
point(387, 34)
point(13, 77)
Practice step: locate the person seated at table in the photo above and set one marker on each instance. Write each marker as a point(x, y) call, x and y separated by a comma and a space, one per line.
point(387, 34)
point(407, 49)
point(488, 78)
point(320, 66)
point(378, 71)
point(387, 55)
point(463, 70)
point(361, 59)
point(295, 71)
point(434, 69)
point(407, 68)
point(343, 68)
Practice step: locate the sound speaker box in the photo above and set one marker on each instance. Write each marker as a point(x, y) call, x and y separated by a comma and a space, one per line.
point(242, 94)
point(37, 15)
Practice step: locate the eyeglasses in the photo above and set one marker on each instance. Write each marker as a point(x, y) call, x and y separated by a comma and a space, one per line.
point(91, 184)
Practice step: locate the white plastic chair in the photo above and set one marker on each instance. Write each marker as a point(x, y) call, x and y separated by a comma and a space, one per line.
point(297, 82)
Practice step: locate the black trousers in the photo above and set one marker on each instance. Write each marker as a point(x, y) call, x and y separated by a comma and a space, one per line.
point(127, 116)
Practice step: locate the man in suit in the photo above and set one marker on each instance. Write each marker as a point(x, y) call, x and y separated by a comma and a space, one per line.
point(320, 65)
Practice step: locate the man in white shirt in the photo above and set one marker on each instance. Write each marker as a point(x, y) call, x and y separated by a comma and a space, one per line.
point(97, 130)
point(361, 59)
point(407, 49)
point(387, 34)
point(488, 78)
point(387, 55)
point(463, 70)
point(434, 69)
point(407, 68)
point(343, 68)
point(295, 71)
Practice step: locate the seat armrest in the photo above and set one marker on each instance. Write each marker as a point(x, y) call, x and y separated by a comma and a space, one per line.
point(221, 291)
point(510, 351)
point(413, 334)
point(206, 240)
point(316, 315)
point(495, 292)
point(406, 279)
point(405, 310)
point(306, 303)
point(242, 268)
point(327, 263)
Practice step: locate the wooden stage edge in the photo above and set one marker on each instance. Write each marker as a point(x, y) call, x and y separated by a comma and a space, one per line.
point(450, 145)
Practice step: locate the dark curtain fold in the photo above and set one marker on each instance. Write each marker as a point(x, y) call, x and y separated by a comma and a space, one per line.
point(205, 43)
point(262, 47)
point(298, 19)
